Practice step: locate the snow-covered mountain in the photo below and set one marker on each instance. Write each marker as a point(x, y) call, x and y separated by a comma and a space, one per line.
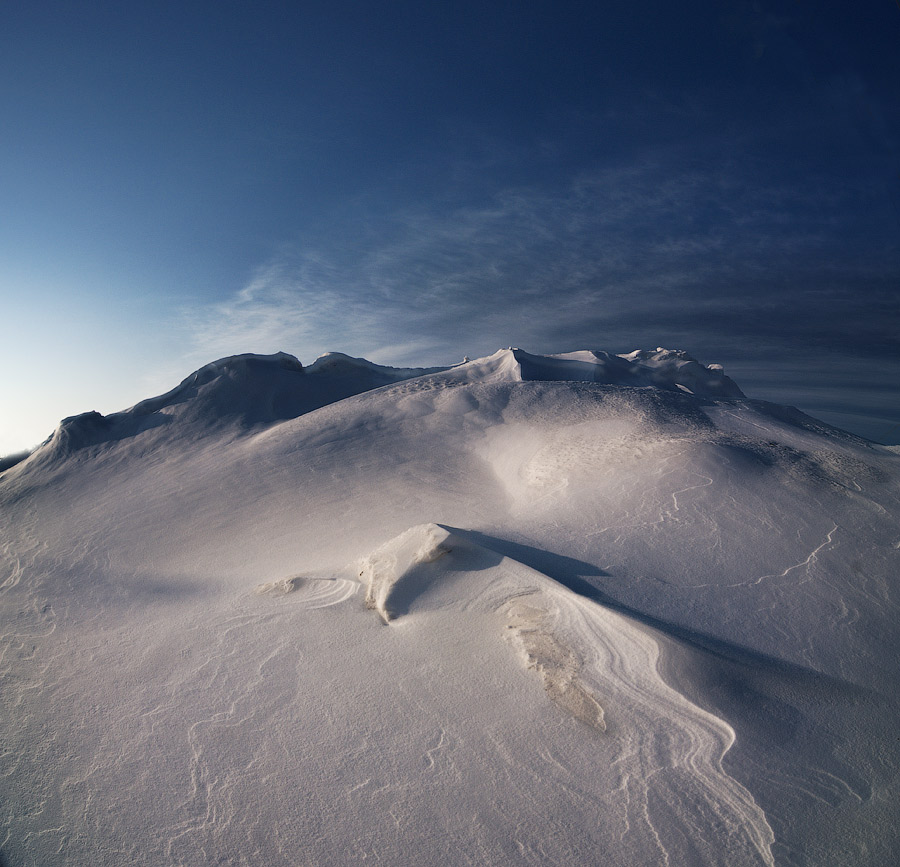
point(572, 609)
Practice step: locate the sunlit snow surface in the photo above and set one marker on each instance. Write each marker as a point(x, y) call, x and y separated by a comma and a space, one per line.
point(579, 609)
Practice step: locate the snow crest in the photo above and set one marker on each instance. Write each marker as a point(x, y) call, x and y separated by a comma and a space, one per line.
point(395, 564)
point(250, 391)
point(665, 369)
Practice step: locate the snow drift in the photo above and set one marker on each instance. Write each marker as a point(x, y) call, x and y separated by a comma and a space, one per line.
point(568, 609)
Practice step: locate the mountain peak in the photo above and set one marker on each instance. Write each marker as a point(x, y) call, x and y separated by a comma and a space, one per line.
point(666, 369)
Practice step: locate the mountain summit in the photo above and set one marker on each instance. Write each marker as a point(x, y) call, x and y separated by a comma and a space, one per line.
point(251, 391)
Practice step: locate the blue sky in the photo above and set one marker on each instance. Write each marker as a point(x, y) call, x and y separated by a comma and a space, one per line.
point(413, 182)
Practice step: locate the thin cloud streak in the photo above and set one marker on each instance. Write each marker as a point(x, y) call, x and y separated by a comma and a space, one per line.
point(620, 244)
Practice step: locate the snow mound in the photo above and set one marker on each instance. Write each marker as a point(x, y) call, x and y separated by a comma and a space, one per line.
point(400, 568)
point(581, 651)
point(396, 564)
point(242, 392)
point(262, 389)
point(502, 366)
point(246, 369)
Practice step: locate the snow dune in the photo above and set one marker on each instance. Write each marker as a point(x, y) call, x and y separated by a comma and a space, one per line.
point(585, 654)
point(571, 609)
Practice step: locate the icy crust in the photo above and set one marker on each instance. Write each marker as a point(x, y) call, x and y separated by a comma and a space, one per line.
point(530, 625)
point(310, 592)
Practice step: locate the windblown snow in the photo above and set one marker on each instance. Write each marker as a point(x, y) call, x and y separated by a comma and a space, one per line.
point(573, 609)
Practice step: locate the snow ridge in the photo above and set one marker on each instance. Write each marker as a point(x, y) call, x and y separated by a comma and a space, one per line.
point(663, 368)
point(250, 390)
point(394, 564)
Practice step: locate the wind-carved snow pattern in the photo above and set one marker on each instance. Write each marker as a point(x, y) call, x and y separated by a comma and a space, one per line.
point(384, 571)
point(668, 751)
point(558, 665)
point(310, 592)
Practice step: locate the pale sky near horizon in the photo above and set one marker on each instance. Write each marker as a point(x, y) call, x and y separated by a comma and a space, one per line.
point(412, 182)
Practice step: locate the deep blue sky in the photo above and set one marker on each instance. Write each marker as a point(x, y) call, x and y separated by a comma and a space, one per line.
point(417, 181)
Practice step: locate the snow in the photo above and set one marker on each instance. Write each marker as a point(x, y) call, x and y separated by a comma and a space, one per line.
point(569, 609)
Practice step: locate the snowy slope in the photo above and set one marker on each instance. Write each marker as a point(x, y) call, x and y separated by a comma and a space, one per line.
point(569, 609)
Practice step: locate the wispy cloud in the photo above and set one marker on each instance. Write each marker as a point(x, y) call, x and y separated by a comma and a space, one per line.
point(639, 254)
